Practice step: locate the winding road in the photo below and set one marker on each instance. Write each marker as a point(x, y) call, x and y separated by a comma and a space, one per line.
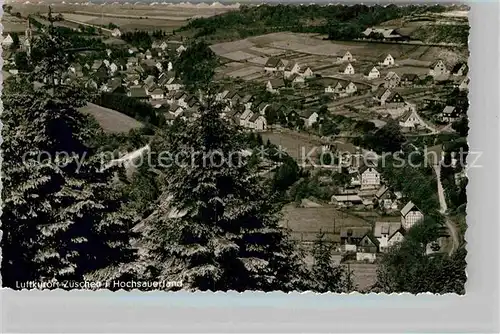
point(443, 208)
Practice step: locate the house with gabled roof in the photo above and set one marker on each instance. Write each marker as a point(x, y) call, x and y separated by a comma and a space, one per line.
point(388, 232)
point(460, 69)
point(291, 68)
point(7, 41)
point(450, 114)
point(410, 120)
point(381, 95)
point(157, 94)
point(347, 69)
point(387, 200)
point(308, 73)
point(438, 68)
point(370, 177)
point(391, 80)
point(351, 88)
point(350, 236)
point(347, 57)
point(258, 122)
point(366, 249)
point(387, 61)
point(394, 101)
point(408, 79)
point(274, 85)
point(273, 65)
point(138, 92)
point(464, 84)
point(309, 116)
point(372, 73)
point(296, 79)
point(410, 215)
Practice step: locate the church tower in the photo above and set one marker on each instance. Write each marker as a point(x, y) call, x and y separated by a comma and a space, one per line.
point(28, 34)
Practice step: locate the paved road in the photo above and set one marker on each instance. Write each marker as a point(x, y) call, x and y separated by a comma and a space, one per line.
point(443, 208)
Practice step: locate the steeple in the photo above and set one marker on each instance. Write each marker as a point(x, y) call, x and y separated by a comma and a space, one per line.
point(28, 34)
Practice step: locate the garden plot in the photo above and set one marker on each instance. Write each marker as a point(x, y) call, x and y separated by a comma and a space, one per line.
point(258, 60)
point(245, 72)
point(420, 71)
point(267, 51)
point(238, 55)
point(223, 48)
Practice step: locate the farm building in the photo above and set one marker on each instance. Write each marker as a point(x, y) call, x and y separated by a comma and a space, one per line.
point(372, 73)
point(387, 61)
point(410, 215)
point(273, 65)
point(438, 68)
point(347, 69)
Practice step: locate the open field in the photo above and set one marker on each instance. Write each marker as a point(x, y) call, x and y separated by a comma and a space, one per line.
point(310, 50)
point(12, 24)
point(293, 144)
point(128, 17)
point(111, 120)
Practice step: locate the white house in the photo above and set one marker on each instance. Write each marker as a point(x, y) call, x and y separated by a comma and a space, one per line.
point(296, 79)
point(113, 68)
point(411, 120)
point(274, 85)
point(464, 84)
point(157, 94)
point(347, 57)
point(291, 68)
point(347, 69)
point(309, 117)
point(351, 88)
point(370, 177)
point(388, 234)
point(374, 73)
point(366, 249)
point(308, 73)
point(438, 68)
point(181, 49)
point(116, 32)
point(387, 61)
point(329, 89)
point(450, 114)
point(274, 64)
point(391, 80)
point(410, 215)
point(148, 54)
point(258, 122)
point(7, 41)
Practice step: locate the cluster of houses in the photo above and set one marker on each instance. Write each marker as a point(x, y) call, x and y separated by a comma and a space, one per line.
point(386, 34)
point(367, 242)
point(282, 70)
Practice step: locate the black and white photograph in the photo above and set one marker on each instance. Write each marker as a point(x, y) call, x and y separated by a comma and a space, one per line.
point(208, 146)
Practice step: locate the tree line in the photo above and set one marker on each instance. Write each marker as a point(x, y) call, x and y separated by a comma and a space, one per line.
point(336, 21)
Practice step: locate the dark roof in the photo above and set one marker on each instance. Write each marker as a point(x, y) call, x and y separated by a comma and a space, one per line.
point(354, 232)
point(393, 96)
point(409, 77)
point(436, 62)
point(138, 92)
point(458, 66)
point(277, 83)
point(273, 62)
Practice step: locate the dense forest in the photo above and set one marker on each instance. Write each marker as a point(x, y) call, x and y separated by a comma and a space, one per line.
point(336, 21)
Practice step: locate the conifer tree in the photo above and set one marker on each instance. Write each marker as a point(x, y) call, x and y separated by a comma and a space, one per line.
point(216, 227)
point(325, 275)
point(62, 218)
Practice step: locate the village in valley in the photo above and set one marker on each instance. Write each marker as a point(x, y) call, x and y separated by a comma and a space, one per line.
point(335, 109)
